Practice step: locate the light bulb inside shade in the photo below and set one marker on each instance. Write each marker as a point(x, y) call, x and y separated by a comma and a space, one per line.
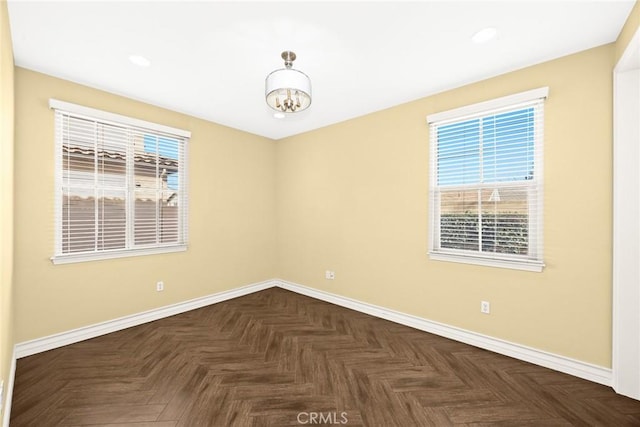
point(484, 35)
point(288, 100)
point(278, 115)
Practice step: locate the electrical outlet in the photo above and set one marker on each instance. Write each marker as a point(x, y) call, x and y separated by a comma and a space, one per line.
point(329, 275)
point(160, 286)
point(485, 307)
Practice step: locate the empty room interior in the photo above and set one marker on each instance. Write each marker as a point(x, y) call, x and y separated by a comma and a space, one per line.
point(333, 213)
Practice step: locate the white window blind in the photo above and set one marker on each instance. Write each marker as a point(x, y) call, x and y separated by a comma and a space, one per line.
point(121, 185)
point(486, 182)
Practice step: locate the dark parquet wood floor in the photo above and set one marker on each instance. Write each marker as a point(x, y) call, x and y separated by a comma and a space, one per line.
point(275, 358)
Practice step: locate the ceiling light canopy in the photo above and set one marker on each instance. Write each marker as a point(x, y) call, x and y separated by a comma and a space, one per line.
point(288, 90)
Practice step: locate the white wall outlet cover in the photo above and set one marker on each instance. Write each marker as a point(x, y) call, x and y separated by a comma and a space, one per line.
point(485, 307)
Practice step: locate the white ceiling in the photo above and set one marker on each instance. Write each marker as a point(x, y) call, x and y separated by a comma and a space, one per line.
point(210, 59)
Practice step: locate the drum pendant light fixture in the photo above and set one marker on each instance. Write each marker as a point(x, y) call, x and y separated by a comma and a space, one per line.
point(288, 90)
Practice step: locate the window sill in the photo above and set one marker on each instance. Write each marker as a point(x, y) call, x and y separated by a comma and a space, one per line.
point(98, 256)
point(526, 265)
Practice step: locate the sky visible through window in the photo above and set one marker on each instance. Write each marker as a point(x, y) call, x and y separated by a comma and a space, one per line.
point(165, 147)
point(496, 148)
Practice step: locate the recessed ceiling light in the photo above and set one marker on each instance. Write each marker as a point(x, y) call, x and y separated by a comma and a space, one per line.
point(278, 115)
point(139, 60)
point(484, 35)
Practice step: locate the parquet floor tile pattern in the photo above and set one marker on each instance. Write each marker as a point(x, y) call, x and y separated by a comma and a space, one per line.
point(276, 358)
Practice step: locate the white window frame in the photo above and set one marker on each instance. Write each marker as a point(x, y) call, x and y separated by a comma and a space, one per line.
point(533, 262)
point(112, 118)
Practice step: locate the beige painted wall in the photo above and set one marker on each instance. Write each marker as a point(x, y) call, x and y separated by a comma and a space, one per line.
point(232, 219)
point(353, 198)
point(6, 199)
point(628, 31)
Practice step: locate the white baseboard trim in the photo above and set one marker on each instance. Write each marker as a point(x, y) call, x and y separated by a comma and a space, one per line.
point(50, 342)
point(556, 362)
point(8, 391)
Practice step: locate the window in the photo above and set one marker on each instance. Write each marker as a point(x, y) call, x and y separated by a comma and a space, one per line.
point(486, 182)
point(121, 185)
